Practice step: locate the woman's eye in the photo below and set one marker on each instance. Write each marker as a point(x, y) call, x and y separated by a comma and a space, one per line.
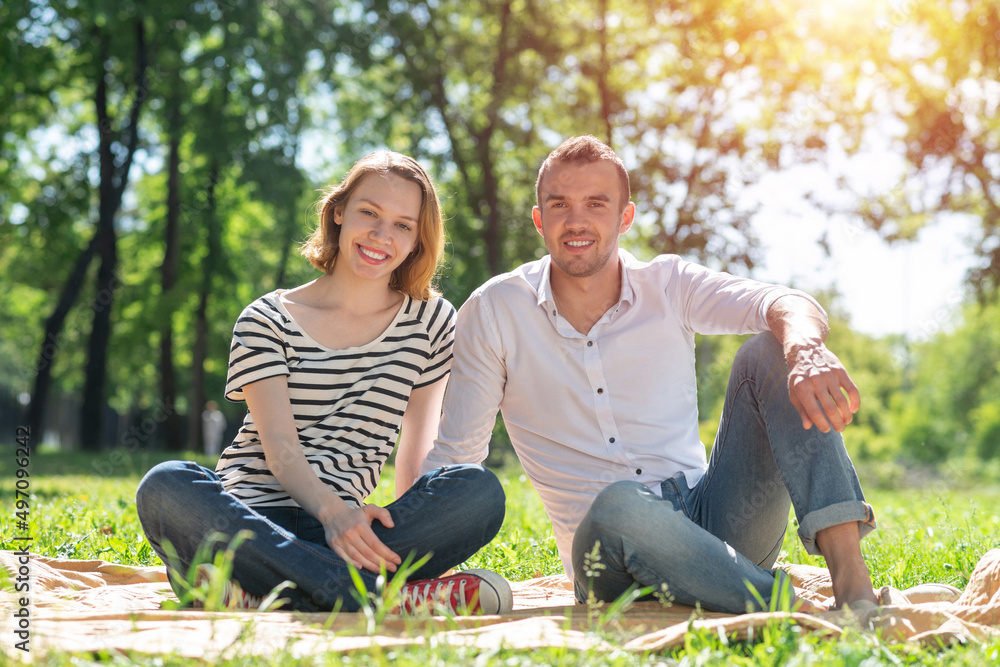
point(368, 213)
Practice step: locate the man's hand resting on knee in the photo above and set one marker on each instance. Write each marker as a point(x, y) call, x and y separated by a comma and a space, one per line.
point(820, 388)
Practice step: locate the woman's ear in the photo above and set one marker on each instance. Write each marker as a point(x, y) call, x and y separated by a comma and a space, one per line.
point(338, 214)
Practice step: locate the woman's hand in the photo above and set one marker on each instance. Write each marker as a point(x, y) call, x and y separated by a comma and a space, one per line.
point(347, 529)
point(349, 533)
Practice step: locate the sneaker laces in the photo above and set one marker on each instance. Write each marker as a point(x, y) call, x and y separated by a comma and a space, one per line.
point(439, 590)
point(234, 597)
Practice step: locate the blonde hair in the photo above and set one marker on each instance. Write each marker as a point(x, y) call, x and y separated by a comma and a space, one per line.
point(415, 276)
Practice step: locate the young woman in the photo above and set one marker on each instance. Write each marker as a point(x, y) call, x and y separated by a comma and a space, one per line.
point(330, 372)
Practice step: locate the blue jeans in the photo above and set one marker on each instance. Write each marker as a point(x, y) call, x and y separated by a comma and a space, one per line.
point(710, 542)
point(449, 513)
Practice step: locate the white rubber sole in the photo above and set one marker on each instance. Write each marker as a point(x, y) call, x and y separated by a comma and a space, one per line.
point(505, 597)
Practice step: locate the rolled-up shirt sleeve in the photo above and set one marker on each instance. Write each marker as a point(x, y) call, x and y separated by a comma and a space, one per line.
point(475, 389)
point(714, 303)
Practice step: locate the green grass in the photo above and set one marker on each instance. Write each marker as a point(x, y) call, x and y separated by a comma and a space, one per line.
point(82, 507)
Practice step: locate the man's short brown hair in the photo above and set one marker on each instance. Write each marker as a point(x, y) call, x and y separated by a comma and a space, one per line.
point(584, 150)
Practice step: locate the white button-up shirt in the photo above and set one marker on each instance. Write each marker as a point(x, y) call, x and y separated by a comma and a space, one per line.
point(583, 411)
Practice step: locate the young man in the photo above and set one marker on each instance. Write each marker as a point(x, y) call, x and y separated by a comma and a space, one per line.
point(589, 355)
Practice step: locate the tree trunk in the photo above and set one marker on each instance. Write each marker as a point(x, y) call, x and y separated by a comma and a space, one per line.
point(92, 411)
point(492, 235)
point(50, 341)
point(172, 426)
point(196, 399)
point(116, 154)
point(491, 187)
point(482, 193)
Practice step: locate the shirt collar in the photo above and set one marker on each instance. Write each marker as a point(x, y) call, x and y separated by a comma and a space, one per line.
point(628, 262)
point(544, 287)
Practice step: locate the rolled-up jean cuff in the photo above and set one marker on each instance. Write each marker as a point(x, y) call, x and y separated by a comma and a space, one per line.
point(834, 515)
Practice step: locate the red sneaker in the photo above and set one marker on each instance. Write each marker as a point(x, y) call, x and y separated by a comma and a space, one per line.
point(469, 591)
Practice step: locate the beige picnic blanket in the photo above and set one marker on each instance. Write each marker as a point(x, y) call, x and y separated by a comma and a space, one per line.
point(96, 606)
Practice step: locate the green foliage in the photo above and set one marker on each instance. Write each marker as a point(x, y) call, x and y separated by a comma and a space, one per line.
point(233, 67)
point(951, 408)
point(986, 429)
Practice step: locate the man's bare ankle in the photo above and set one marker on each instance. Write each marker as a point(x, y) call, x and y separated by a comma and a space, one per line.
point(848, 589)
point(848, 572)
point(858, 596)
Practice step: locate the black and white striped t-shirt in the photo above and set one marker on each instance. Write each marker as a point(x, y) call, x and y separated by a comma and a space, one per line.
point(348, 403)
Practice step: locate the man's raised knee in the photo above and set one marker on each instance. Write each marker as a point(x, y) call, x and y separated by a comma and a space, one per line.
point(762, 351)
point(613, 505)
point(762, 345)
